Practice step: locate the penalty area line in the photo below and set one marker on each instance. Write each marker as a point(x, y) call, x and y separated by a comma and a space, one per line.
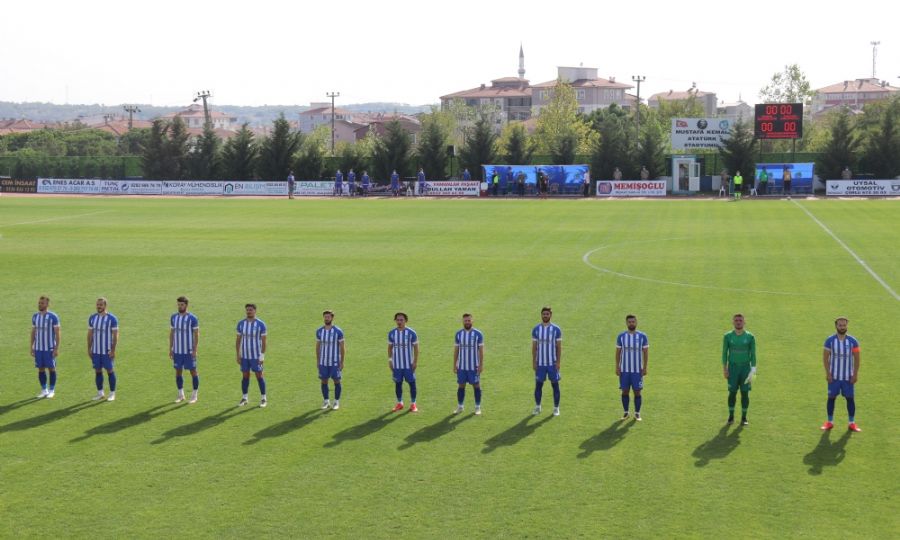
point(54, 219)
point(850, 251)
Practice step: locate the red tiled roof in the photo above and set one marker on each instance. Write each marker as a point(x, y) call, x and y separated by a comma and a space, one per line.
point(675, 96)
point(858, 85)
point(586, 83)
point(491, 92)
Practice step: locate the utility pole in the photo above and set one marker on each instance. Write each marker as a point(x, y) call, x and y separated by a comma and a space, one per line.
point(332, 95)
point(874, 45)
point(638, 79)
point(131, 109)
point(204, 95)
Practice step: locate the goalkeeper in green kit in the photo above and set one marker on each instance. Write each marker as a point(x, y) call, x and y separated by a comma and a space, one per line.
point(739, 365)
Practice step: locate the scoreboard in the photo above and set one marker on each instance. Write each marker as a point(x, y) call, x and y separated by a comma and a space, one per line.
point(779, 121)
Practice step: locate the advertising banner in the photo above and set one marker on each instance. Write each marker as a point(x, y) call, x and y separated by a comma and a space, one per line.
point(84, 187)
point(690, 133)
point(15, 185)
point(140, 187)
point(863, 188)
point(452, 189)
point(631, 188)
point(313, 188)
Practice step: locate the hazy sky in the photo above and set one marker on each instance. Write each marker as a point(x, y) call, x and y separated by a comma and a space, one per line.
point(265, 52)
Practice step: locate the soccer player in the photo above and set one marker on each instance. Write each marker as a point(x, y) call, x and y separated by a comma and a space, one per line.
point(330, 357)
point(250, 346)
point(420, 181)
point(290, 181)
point(468, 362)
point(45, 345)
point(546, 355)
point(351, 182)
point(632, 354)
point(841, 361)
point(102, 339)
point(403, 358)
point(184, 335)
point(395, 183)
point(366, 183)
point(739, 366)
point(339, 183)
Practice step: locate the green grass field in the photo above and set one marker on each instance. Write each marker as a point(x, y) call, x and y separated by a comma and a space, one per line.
point(145, 467)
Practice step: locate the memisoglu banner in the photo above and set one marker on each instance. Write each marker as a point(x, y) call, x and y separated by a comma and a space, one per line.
point(631, 188)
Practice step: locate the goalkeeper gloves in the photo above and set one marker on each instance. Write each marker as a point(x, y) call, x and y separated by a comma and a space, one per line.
point(262, 357)
point(752, 374)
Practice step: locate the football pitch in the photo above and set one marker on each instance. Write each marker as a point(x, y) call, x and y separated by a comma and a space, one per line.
point(143, 466)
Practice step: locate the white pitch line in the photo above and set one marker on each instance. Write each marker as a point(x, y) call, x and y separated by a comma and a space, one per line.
point(586, 259)
point(850, 251)
point(55, 218)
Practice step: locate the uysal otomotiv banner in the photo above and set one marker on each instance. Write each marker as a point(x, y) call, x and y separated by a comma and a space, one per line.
point(16, 185)
point(453, 188)
point(631, 188)
point(863, 188)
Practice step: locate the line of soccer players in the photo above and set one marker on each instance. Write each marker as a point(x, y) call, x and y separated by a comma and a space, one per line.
point(841, 358)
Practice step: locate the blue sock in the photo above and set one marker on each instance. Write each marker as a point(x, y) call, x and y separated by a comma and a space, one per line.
point(52, 379)
point(398, 389)
point(829, 408)
point(179, 382)
point(245, 385)
point(851, 409)
point(538, 392)
point(412, 392)
point(112, 381)
point(337, 391)
point(461, 395)
point(195, 380)
point(325, 391)
point(262, 385)
point(637, 404)
point(626, 399)
point(478, 396)
point(98, 378)
point(42, 378)
point(555, 386)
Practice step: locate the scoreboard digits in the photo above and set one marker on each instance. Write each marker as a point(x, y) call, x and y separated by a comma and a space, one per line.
point(779, 121)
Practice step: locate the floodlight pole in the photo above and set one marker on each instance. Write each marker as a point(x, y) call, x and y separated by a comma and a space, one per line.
point(204, 95)
point(874, 45)
point(638, 79)
point(332, 95)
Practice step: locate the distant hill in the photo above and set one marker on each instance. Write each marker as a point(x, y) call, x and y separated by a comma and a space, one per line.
point(255, 116)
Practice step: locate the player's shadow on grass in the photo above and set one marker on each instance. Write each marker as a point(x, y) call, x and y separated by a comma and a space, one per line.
point(363, 430)
point(201, 425)
point(125, 423)
point(719, 446)
point(432, 432)
point(606, 439)
point(46, 418)
point(16, 404)
point(283, 428)
point(514, 434)
point(826, 453)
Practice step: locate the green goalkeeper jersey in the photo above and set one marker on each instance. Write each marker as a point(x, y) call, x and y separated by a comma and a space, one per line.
point(739, 349)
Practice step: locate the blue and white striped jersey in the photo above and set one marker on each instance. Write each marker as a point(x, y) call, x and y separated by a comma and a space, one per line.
point(365, 180)
point(841, 361)
point(338, 178)
point(251, 333)
point(403, 341)
point(103, 326)
point(469, 343)
point(329, 340)
point(351, 178)
point(43, 324)
point(632, 346)
point(546, 338)
point(183, 339)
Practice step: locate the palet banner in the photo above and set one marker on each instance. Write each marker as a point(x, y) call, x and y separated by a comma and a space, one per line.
point(863, 188)
point(631, 188)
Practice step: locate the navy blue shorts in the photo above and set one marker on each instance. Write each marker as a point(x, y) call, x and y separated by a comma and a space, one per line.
point(547, 372)
point(44, 360)
point(844, 388)
point(635, 381)
point(102, 361)
point(251, 365)
point(330, 372)
point(184, 361)
point(406, 374)
point(467, 376)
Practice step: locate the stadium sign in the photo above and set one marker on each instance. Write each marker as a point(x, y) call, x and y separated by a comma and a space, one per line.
point(690, 133)
point(83, 187)
point(863, 188)
point(453, 189)
point(15, 185)
point(631, 188)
